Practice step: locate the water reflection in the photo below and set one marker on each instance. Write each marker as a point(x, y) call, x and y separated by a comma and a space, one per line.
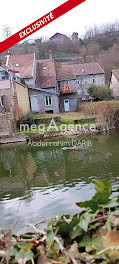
point(47, 181)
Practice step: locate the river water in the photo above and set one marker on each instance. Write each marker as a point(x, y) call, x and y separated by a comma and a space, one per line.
point(38, 182)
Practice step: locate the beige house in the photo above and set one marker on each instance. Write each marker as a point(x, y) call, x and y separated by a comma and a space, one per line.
point(22, 97)
point(114, 83)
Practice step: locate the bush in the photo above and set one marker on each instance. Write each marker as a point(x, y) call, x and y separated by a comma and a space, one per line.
point(26, 119)
point(100, 93)
point(106, 113)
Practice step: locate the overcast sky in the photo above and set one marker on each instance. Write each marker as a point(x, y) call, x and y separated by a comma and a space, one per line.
point(18, 14)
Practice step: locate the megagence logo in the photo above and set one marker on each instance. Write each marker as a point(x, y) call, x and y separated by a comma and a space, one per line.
point(64, 128)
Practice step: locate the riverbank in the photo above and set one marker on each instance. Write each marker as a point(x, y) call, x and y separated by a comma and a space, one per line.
point(85, 129)
point(92, 118)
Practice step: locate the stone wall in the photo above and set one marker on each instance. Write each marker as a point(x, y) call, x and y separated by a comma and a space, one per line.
point(47, 121)
point(85, 120)
point(7, 124)
point(7, 118)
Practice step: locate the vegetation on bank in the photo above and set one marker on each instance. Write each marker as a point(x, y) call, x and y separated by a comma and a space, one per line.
point(62, 122)
point(106, 113)
point(100, 93)
point(91, 236)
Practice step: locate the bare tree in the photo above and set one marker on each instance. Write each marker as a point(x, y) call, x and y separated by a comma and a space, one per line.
point(6, 31)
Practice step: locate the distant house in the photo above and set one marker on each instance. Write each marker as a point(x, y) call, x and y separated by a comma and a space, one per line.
point(14, 99)
point(114, 83)
point(66, 87)
point(83, 75)
point(44, 97)
point(58, 37)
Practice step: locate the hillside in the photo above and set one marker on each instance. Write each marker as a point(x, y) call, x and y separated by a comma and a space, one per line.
point(98, 44)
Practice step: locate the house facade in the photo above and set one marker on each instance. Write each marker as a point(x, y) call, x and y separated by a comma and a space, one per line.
point(24, 64)
point(66, 87)
point(43, 101)
point(44, 97)
point(82, 76)
point(14, 100)
point(114, 83)
point(86, 75)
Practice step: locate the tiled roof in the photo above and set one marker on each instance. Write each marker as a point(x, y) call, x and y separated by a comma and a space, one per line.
point(72, 70)
point(45, 74)
point(65, 73)
point(42, 90)
point(116, 74)
point(22, 63)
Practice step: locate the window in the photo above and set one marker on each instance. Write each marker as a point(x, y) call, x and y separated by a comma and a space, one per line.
point(65, 82)
point(58, 84)
point(0, 105)
point(77, 81)
point(48, 100)
point(93, 81)
point(5, 76)
point(49, 112)
point(1, 100)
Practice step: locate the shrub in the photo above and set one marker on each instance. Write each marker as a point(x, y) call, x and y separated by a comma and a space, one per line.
point(100, 93)
point(26, 119)
point(106, 113)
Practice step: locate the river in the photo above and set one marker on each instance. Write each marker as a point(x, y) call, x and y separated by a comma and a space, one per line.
point(38, 182)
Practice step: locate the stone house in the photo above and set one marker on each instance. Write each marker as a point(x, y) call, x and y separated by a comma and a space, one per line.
point(81, 76)
point(114, 83)
point(88, 74)
point(24, 64)
point(14, 100)
point(43, 95)
point(40, 78)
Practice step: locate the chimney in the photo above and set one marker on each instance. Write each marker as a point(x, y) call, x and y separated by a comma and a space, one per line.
point(75, 36)
point(50, 56)
point(7, 58)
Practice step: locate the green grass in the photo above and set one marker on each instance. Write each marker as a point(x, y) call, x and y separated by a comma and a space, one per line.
point(67, 118)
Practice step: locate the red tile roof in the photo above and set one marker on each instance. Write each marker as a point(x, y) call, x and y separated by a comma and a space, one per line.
point(65, 73)
point(71, 70)
point(45, 74)
point(116, 74)
point(24, 64)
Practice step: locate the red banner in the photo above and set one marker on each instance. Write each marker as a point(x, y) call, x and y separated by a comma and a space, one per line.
point(40, 23)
